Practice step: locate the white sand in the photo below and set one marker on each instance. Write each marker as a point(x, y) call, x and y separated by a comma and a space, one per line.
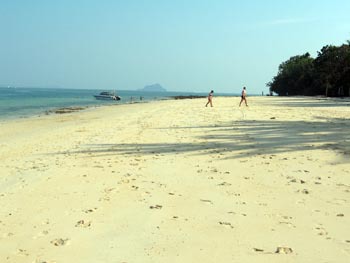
point(173, 181)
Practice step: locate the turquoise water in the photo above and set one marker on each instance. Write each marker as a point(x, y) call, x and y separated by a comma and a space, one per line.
point(26, 102)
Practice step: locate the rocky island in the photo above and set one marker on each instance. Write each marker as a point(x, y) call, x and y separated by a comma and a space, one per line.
point(153, 88)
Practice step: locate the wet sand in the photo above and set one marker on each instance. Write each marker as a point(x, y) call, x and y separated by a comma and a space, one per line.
point(174, 181)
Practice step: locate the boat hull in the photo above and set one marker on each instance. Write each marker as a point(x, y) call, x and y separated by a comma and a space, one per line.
point(102, 97)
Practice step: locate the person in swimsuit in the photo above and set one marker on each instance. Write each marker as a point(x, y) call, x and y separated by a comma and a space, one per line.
point(210, 99)
point(243, 97)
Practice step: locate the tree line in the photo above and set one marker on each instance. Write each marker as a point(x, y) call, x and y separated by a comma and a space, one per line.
point(328, 74)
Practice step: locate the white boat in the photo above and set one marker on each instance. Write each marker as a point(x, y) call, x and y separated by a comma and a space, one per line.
point(106, 95)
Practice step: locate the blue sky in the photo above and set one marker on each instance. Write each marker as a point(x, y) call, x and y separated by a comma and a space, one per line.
point(183, 45)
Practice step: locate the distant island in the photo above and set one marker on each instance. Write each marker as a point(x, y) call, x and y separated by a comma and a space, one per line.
point(153, 88)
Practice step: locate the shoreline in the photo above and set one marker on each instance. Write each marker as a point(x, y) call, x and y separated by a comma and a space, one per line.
point(72, 109)
point(25, 102)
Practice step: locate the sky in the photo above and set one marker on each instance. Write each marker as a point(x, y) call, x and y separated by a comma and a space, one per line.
point(185, 45)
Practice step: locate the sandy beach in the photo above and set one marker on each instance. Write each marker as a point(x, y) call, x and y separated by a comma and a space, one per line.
point(174, 181)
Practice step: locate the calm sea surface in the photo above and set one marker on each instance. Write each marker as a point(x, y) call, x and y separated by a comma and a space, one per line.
point(26, 102)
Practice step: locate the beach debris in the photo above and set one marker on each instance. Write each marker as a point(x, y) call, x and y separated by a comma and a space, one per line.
point(272, 118)
point(59, 242)
point(156, 207)
point(258, 249)
point(206, 201)
point(283, 250)
point(340, 215)
point(82, 223)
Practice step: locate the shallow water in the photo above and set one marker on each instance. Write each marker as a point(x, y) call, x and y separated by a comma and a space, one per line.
point(25, 102)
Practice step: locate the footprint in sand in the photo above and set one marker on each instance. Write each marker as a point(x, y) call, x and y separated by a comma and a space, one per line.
point(8, 235)
point(124, 181)
point(283, 250)
point(105, 198)
point(108, 190)
point(156, 207)
point(87, 211)
point(297, 181)
point(289, 224)
point(41, 234)
point(337, 201)
point(228, 224)
point(224, 184)
point(59, 242)
point(321, 231)
point(22, 252)
point(304, 191)
point(83, 223)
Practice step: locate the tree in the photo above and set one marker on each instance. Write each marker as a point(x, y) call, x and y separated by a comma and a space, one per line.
point(294, 76)
point(328, 74)
point(333, 69)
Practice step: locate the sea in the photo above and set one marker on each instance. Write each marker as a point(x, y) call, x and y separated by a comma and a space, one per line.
point(26, 102)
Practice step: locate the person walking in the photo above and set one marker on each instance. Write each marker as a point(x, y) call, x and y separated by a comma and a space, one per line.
point(210, 99)
point(244, 97)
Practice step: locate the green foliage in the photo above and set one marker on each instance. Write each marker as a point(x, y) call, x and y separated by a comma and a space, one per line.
point(328, 74)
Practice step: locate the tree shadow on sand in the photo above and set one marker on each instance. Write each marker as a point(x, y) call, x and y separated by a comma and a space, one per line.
point(242, 139)
point(308, 102)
